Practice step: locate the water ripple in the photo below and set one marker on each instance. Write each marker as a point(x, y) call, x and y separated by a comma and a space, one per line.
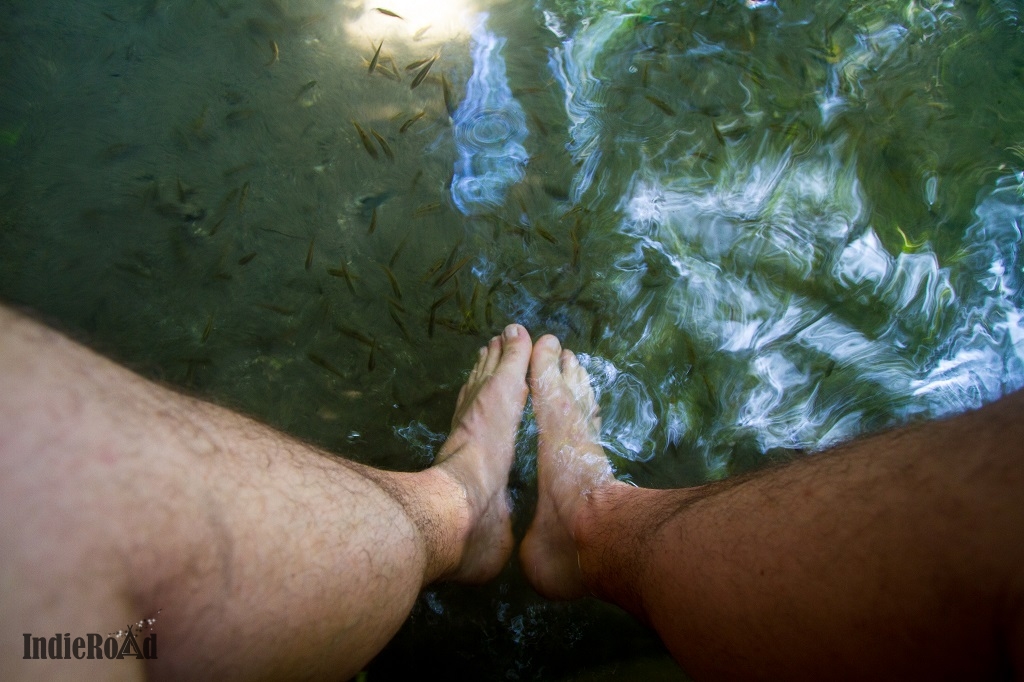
point(490, 128)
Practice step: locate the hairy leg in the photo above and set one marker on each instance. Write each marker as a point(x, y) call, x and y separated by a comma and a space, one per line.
point(895, 557)
point(265, 557)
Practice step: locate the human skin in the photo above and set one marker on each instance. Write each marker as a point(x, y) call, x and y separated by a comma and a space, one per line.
point(260, 556)
point(898, 556)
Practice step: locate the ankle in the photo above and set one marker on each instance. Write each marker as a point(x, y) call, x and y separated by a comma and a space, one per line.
point(610, 546)
point(445, 530)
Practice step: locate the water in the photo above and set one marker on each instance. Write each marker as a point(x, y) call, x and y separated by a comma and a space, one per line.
point(768, 228)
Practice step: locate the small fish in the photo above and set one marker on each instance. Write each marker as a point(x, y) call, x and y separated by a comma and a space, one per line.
point(545, 234)
point(305, 88)
point(276, 53)
point(355, 335)
point(576, 248)
point(398, 251)
point(280, 310)
point(660, 104)
point(450, 272)
point(427, 208)
point(367, 144)
point(718, 133)
point(387, 13)
point(473, 299)
point(438, 264)
point(449, 102)
point(216, 226)
point(243, 195)
point(321, 362)
point(309, 254)
point(393, 280)
point(643, 76)
point(398, 321)
point(376, 57)
point(247, 258)
point(383, 145)
point(421, 32)
point(423, 73)
point(372, 362)
point(397, 305)
point(407, 124)
point(417, 64)
point(434, 307)
point(373, 221)
point(390, 74)
point(207, 329)
point(343, 272)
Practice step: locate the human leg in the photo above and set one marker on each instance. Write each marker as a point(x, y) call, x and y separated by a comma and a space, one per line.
point(898, 556)
point(264, 556)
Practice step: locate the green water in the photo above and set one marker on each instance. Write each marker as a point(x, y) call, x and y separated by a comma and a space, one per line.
point(768, 228)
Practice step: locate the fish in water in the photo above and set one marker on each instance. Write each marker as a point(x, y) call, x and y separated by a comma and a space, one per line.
point(407, 124)
point(660, 104)
point(343, 272)
point(243, 196)
point(450, 272)
point(367, 144)
point(387, 13)
point(309, 85)
point(383, 145)
point(376, 57)
point(417, 64)
point(449, 102)
point(393, 280)
point(423, 73)
point(355, 335)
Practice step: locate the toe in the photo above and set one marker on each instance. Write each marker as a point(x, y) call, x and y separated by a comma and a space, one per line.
point(481, 362)
point(494, 352)
point(515, 351)
point(578, 380)
point(568, 361)
point(544, 362)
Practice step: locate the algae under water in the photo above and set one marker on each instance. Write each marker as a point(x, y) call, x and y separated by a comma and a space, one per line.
point(769, 227)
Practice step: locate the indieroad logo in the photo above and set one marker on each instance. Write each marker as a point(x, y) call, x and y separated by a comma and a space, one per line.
point(116, 645)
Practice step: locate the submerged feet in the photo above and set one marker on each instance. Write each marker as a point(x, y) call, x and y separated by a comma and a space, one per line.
point(479, 451)
point(571, 464)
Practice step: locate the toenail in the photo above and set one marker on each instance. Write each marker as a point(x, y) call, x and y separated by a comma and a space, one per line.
point(511, 331)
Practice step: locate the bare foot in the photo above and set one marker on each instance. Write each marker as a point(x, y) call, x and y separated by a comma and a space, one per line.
point(479, 451)
point(570, 465)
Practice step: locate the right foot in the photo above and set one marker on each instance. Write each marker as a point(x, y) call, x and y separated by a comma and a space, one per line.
point(571, 464)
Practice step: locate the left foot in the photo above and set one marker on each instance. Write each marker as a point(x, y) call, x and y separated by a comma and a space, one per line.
point(479, 451)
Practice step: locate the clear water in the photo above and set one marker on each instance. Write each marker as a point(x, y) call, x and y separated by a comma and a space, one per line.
point(769, 228)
